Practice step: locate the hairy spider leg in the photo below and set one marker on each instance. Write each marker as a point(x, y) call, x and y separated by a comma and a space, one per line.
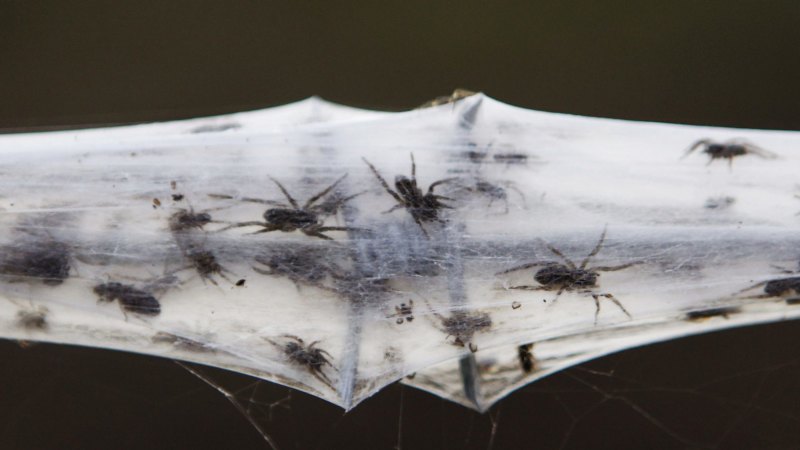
point(323, 192)
point(317, 231)
point(596, 249)
point(695, 146)
point(292, 201)
point(614, 268)
point(248, 199)
point(596, 298)
point(558, 253)
point(524, 266)
point(384, 183)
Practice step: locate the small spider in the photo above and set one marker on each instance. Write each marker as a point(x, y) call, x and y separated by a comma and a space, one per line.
point(780, 287)
point(33, 318)
point(526, 358)
point(287, 218)
point(311, 357)
point(47, 261)
point(703, 314)
point(404, 312)
point(491, 191)
point(422, 207)
point(728, 150)
point(463, 326)
point(131, 299)
point(301, 267)
point(566, 276)
point(186, 219)
point(206, 265)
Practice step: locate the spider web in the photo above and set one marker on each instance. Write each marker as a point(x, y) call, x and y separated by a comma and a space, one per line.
point(424, 294)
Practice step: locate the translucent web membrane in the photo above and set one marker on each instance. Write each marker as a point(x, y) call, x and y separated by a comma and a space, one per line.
point(295, 244)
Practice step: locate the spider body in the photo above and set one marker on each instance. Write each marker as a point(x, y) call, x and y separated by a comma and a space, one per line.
point(130, 298)
point(566, 276)
point(780, 287)
point(526, 359)
point(299, 267)
point(33, 318)
point(728, 150)
point(555, 276)
point(308, 218)
point(47, 261)
point(313, 358)
point(462, 326)
point(423, 207)
point(185, 220)
point(206, 265)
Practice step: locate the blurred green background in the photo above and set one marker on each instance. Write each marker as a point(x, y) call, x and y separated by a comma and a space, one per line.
point(68, 64)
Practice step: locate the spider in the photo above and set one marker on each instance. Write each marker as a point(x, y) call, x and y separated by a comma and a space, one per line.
point(463, 326)
point(422, 207)
point(206, 265)
point(526, 358)
point(186, 219)
point(311, 357)
point(404, 312)
point(307, 219)
point(704, 314)
point(131, 299)
point(300, 267)
point(48, 261)
point(34, 318)
point(493, 192)
point(566, 276)
point(778, 287)
point(728, 150)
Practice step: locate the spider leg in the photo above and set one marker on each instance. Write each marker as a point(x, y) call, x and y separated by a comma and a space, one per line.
point(394, 208)
point(529, 288)
point(730, 163)
point(558, 253)
point(343, 229)
point(752, 287)
point(292, 201)
point(419, 222)
point(596, 249)
point(753, 148)
point(323, 192)
point(437, 183)
point(383, 183)
point(694, 146)
point(317, 233)
point(596, 298)
point(243, 199)
point(524, 266)
point(413, 168)
point(243, 224)
point(613, 268)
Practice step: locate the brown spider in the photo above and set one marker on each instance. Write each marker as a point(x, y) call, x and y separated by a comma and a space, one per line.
point(526, 359)
point(728, 150)
point(309, 356)
point(286, 218)
point(301, 267)
point(463, 326)
point(34, 318)
point(779, 287)
point(422, 207)
point(566, 276)
point(206, 265)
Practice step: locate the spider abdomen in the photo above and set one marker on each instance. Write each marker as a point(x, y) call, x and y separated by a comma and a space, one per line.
point(776, 288)
point(290, 219)
point(557, 275)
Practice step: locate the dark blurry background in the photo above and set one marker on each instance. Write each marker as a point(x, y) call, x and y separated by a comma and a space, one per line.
point(67, 64)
